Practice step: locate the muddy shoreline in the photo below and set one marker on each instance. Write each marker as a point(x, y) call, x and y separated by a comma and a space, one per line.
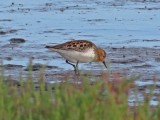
point(131, 43)
point(127, 61)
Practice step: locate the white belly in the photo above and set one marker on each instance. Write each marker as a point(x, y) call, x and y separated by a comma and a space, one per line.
point(75, 56)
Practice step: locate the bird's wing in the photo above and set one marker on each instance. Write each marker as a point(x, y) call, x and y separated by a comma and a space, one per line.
point(77, 45)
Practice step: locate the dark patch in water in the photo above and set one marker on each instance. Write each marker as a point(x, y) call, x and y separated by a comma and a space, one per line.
point(38, 66)
point(3, 32)
point(5, 20)
point(143, 66)
point(11, 66)
point(126, 61)
point(17, 40)
point(157, 59)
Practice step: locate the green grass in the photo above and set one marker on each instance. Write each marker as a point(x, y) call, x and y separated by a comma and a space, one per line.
point(103, 100)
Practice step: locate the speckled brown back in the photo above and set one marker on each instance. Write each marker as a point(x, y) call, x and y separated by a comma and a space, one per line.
point(77, 45)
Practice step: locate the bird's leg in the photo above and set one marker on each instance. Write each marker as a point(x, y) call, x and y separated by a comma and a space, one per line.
point(70, 64)
point(75, 66)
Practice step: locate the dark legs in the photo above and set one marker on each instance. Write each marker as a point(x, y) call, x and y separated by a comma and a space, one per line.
point(75, 66)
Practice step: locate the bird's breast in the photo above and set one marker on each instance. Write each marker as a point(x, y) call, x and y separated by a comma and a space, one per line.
point(74, 56)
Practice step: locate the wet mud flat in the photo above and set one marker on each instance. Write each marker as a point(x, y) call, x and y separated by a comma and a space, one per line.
point(141, 62)
point(131, 43)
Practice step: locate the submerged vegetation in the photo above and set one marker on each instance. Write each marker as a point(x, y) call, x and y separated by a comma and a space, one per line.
point(79, 100)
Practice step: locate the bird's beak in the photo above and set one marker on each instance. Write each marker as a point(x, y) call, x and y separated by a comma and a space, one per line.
point(104, 64)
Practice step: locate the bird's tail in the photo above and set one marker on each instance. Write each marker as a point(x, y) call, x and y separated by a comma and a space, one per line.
point(48, 46)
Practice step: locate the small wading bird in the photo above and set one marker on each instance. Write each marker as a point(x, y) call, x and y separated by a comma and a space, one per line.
point(79, 51)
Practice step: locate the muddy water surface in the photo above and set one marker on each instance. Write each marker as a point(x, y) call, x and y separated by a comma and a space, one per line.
point(129, 31)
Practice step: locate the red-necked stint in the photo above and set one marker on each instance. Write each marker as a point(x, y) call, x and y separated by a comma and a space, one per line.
point(79, 51)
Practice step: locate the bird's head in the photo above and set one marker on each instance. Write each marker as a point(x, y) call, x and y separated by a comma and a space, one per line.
point(101, 56)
